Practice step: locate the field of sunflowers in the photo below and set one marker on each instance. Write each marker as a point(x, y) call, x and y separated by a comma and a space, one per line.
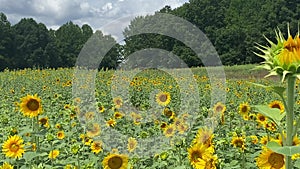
point(44, 126)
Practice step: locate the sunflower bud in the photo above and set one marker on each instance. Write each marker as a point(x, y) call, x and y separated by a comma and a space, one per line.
point(281, 58)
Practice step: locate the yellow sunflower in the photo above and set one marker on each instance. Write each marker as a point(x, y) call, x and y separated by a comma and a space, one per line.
point(93, 130)
point(115, 161)
point(118, 115)
point(6, 166)
point(111, 123)
point(219, 108)
point(204, 136)
point(198, 154)
point(132, 143)
point(96, 147)
point(31, 106)
point(261, 119)
point(163, 98)
point(44, 121)
point(170, 130)
point(53, 154)
point(118, 102)
point(13, 147)
point(60, 135)
point(277, 104)
point(238, 142)
point(244, 108)
point(270, 159)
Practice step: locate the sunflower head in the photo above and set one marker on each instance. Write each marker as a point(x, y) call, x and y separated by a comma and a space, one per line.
point(115, 161)
point(270, 159)
point(163, 98)
point(283, 57)
point(31, 105)
point(278, 105)
point(13, 147)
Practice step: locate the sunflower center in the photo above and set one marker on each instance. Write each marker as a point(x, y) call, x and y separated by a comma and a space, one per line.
point(14, 147)
point(276, 106)
point(239, 143)
point(33, 105)
point(219, 108)
point(115, 162)
point(262, 118)
point(276, 160)
point(244, 109)
point(118, 102)
point(163, 98)
point(196, 155)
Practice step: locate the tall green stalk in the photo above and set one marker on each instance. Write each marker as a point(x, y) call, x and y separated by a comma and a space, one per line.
point(290, 117)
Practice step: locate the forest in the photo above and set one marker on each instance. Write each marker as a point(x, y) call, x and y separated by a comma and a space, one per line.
point(234, 27)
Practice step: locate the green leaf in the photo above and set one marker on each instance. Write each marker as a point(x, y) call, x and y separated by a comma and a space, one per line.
point(28, 156)
point(285, 150)
point(272, 113)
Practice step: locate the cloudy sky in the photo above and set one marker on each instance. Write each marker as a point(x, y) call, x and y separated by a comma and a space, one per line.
point(96, 13)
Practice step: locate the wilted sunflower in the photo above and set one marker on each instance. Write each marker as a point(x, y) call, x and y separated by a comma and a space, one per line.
point(53, 154)
point(96, 147)
point(277, 104)
point(270, 159)
point(115, 161)
point(131, 145)
point(163, 98)
point(6, 166)
point(31, 106)
point(13, 147)
point(244, 108)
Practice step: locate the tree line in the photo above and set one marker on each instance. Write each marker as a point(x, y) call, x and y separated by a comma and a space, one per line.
point(232, 26)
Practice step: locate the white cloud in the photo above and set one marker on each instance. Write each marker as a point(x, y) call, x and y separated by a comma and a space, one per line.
point(96, 13)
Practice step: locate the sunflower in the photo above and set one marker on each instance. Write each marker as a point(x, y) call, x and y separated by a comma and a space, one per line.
point(85, 139)
point(93, 130)
point(163, 98)
point(13, 147)
point(96, 147)
point(111, 123)
point(118, 115)
point(264, 140)
point(204, 136)
point(132, 143)
point(53, 154)
point(163, 125)
point(270, 159)
point(238, 141)
point(115, 161)
point(44, 121)
point(254, 139)
point(168, 113)
point(101, 109)
point(244, 108)
point(182, 128)
point(209, 163)
point(89, 116)
point(198, 154)
point(60, 135)
point(261, 119)
point(278, 105)
point(31, 106)
point(118, 102)
point(170, 130)
point(219, 108)
point(6, 166)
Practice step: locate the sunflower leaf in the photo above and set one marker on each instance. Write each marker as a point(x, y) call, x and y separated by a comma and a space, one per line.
point(272, 113)
point(285, 150)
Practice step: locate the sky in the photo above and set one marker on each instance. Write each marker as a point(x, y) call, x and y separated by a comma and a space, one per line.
point(99, 14)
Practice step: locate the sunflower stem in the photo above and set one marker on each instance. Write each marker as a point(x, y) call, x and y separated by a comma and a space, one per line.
point(290, 117)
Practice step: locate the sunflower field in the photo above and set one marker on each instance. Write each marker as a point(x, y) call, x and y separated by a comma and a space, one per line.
point(44, 126)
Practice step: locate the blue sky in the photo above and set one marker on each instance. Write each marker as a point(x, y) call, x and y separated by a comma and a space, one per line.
point(96, 13)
